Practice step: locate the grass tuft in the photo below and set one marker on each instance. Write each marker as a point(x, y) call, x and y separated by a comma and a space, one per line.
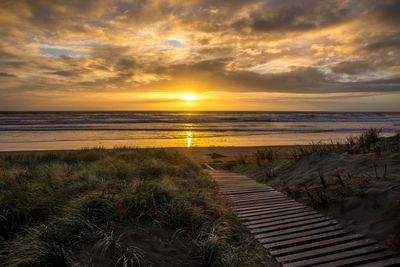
point(265, 155)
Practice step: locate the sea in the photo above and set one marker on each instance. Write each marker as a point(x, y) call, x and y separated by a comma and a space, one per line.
point(30, 131)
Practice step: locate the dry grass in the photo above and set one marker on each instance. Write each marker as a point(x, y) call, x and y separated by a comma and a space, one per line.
point(53, 205)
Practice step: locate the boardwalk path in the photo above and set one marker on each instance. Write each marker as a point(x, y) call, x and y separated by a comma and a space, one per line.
point(294, 234)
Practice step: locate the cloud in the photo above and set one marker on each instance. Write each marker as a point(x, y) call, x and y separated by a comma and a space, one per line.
point(387, 11)
point(386, 43)
point(303, 46)
point(4, 74)
point(71, 73)
point(353, 67)
point(306, 15)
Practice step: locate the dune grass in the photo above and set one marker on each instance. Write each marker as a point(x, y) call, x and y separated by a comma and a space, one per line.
point(369, 141)
point(56, 205)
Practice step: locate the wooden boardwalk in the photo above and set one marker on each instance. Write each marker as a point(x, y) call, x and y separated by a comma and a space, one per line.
point(294, 234)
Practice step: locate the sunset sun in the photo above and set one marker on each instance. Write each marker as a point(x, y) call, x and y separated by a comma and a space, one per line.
point(188, 97)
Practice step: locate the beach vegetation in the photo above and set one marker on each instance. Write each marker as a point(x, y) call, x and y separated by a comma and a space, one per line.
point(316, 197)
point(339, 178)
point(322, 178)
point(302, 151)
point(369, 141)
point(78, 207)
point(268, 155)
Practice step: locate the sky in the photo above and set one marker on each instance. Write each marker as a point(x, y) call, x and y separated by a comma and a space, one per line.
point(331, 55)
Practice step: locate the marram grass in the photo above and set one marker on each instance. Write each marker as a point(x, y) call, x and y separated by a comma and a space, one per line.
point(54, 205)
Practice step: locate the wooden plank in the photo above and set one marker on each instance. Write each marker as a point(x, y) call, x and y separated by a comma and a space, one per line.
point(364, 259)
point(267, 214)
point(280, 239)
point(232, 180)
point(267, 220)
point(244, 191)
point(242, 188)
point(304, 240)
point(296, 229)
point(254, 195)
point(260, 202)
point(239, 193)
point(262, 205)
point(237, 181)
point(267, 210)
point(230, 176)
point(337, 256)
point(259, 206)
point(264, 200)
point(313, 245)
point(387, 262)
point(235, 178)
point(285, 221)
point(275, 214)
point(255, 201)
point(269, 207)
point(264, 211)
point(326, 251)
point(244, 202)
point(240, 185)
point(287, 225)
point(277, 205)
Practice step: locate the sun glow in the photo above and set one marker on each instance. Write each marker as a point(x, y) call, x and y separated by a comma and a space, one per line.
point(188, 97)
point(189, 139)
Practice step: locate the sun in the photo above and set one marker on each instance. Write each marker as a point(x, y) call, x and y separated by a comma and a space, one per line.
point(188, 97)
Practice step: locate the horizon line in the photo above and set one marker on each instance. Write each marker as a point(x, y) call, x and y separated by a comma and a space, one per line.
point(276, 111)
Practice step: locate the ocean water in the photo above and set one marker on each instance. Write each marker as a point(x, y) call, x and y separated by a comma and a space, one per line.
point(73, 130)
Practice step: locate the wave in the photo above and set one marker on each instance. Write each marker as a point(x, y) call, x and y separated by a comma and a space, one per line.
point(263, 122)
point(197, 120)
point(214, 129)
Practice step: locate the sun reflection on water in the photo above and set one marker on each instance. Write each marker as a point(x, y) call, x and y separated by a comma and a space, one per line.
point(189, 138)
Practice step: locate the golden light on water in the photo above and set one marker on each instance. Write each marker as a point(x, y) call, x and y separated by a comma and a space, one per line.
point(189, 139)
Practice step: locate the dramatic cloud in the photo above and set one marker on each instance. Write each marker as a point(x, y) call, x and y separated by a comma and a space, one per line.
point(353, 67)
point(56, 50)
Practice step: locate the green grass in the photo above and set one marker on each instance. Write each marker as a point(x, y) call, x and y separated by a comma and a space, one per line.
point(57, 205)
